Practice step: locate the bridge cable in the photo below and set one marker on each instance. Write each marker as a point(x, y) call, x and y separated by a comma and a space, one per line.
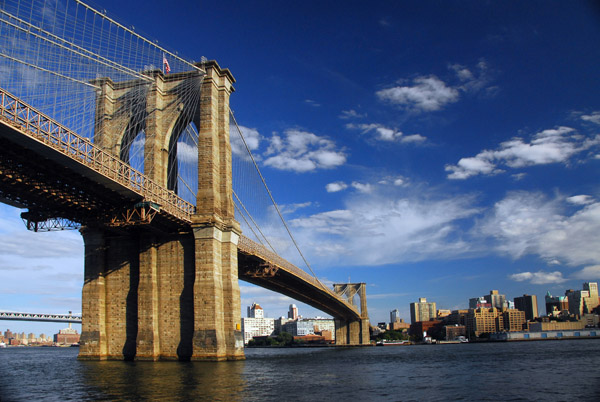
point(273, 200)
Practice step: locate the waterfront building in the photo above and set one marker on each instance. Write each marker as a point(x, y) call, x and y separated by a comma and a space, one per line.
point(544, 335)
point(422, 311)
point(457, 317)
point(293, 312)
point(555, 326)
point(513, 320)
point(256, 324)
point(279, 323)
point(455, 331)
point(484, 320)
point(555, 303)
point(528, 304)
point(400, 326)
point(308, 326)
point(67, 336)
point(432, 328)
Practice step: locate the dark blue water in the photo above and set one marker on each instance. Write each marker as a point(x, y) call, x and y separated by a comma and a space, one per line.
point(525, 371)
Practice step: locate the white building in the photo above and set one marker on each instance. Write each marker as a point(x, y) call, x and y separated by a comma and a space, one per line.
point(256, 324)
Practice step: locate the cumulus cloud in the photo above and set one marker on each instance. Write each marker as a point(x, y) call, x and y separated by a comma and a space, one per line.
point(593, 118)
point(336, 186)
point(548, 146)
point(580, 199)
point(251, 136)
point(425, 94)
point(538, 278)
point(301, 151)
point(362, 187)
point(383, 133)
point(588, 273)
point(529, 223)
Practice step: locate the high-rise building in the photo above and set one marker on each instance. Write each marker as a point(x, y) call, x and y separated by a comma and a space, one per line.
point(592, 288)
point(394, 316)
point(528, 304)
point(422, 310)
point(293, 312)
point(495, 299)
point(555, 303)
point(255, 311)
point(583, 301)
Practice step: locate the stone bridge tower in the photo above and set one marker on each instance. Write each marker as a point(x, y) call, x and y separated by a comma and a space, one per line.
point(153, 291)
point(353, 332)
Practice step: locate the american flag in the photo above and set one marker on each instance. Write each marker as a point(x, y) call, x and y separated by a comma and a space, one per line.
point(166, 65)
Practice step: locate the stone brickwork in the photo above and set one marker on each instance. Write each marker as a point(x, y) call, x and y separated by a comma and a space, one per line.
point(353, 332)
point(151, 294)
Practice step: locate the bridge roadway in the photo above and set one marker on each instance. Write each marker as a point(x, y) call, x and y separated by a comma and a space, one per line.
point(68, 318)
point(53, 172)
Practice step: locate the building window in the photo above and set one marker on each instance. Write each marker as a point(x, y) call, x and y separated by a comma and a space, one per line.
point(544, 335)
point(577, 334)
point(559, 335)
point(526, 336)
point(593, 333)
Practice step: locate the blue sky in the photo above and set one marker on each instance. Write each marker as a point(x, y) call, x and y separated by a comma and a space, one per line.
point(429, 149)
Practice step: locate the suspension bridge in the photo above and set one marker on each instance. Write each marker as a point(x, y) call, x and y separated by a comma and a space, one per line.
point(105, 131)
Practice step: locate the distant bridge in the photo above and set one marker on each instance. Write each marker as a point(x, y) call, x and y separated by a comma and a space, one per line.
point(68, 318)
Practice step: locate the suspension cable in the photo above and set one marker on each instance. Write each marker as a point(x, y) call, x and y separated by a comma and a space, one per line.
point(273, 200)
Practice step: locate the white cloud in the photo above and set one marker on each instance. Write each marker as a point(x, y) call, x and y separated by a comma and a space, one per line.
point(362, 187)
point(291, 208)
point(548, 146)
point(312, 103)
point(580, 199)
point(376, 229)
point(538, 278)
point(594, 117)
point(251, 136)
point(336, 186)
point(301, 151)
point(426, 94)
point(529, 223)
point(588, 273)
point(351, 114)
point(472, 79)
point(383, 133)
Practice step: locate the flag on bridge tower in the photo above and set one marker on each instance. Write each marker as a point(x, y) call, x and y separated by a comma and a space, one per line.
point(166, 67)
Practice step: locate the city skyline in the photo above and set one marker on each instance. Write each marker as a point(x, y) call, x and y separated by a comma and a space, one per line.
point(435, 150)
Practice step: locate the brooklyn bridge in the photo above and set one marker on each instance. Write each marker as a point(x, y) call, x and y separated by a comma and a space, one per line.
point(105, 131)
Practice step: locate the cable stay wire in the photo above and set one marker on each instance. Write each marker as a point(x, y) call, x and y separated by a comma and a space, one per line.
point(273, 201)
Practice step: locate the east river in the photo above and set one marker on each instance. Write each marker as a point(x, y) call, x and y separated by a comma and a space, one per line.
point(562, 370)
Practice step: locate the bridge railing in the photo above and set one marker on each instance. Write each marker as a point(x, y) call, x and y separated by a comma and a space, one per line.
point(37, 125)
point(249, 246)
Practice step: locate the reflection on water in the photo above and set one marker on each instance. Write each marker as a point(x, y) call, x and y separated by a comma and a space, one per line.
point(177, 381)
point(524, 371)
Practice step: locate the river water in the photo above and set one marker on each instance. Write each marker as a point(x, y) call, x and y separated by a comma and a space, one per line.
point(564, 370)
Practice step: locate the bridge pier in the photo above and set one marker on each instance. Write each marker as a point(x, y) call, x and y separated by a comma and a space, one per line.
point(353, 331)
